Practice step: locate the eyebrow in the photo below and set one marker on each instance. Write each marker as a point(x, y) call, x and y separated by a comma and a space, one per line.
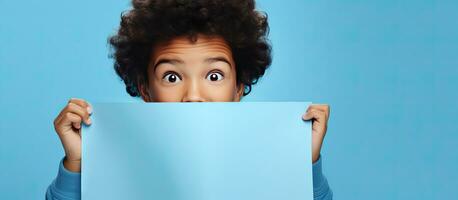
point(218, 59)
point(164, 61)
point(178, 61)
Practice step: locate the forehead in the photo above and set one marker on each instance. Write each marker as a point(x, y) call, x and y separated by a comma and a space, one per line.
point(203, 45)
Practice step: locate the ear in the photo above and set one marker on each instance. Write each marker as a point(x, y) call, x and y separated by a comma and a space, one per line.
point(144, 92)
point(240, 91)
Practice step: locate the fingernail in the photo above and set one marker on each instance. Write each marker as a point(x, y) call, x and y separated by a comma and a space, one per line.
point(89, 121)
point(89, 109)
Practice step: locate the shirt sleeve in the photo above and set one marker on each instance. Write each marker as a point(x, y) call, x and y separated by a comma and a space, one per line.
point(67, 185)
point(321, 189)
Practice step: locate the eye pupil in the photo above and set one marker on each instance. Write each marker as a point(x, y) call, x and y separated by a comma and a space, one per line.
point(172, 78)
point(213, 77)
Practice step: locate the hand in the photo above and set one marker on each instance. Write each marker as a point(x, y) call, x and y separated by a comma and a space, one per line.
point(319, 114)
point(68, 126)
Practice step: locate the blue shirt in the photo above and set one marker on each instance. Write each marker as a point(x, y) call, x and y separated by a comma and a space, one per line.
point(67, 184)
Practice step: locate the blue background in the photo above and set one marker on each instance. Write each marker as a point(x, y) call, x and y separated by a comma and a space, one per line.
point(389, 70)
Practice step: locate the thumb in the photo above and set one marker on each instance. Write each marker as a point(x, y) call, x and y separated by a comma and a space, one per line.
point(307, 116)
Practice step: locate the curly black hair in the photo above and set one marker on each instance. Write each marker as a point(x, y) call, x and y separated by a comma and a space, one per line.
point(151, 22)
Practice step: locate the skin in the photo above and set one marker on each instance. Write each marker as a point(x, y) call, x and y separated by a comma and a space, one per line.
point(180, 71)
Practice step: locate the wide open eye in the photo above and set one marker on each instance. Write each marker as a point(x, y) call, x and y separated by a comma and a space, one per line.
point(171, 77)
point(215, 76)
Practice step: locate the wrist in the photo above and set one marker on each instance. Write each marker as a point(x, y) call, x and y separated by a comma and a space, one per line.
point(315, 158)
point(72, 165)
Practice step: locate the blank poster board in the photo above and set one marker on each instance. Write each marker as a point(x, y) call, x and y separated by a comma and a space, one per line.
point(197, 151)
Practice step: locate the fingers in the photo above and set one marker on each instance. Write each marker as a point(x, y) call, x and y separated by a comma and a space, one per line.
point(314, 114)
point(84, 104)
point(322, 107)
point(72, 115)
point(320, 115)
point(74, 119)
point(80, 111)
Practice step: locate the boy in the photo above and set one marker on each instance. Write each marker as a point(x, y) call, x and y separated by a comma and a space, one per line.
point(184, 51)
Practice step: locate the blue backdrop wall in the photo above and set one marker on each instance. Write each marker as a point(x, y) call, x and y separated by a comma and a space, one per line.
point(389, 70)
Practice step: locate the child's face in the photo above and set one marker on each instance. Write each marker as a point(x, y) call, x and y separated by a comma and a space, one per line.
point(181, 71)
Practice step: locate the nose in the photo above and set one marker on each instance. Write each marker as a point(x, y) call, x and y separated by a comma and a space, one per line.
point(193, 93)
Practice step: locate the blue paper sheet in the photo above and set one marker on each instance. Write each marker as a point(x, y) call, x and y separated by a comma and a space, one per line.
point(197, 151)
